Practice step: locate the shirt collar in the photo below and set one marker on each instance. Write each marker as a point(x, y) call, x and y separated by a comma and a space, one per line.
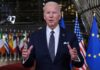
point(55, 30)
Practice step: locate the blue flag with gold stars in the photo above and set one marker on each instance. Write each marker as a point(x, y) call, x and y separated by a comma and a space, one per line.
point(93, 49)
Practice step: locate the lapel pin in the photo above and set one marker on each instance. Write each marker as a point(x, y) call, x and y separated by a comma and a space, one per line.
point(66, 42)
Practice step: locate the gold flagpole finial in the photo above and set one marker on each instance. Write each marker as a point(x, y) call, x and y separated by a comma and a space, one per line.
point(94, 13)
point(76, 14)
point(62, 14)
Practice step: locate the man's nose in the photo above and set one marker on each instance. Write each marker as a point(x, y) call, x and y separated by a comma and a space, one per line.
point(51, 15)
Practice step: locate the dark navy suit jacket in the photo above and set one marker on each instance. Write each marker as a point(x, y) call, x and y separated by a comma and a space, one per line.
point(40, 52)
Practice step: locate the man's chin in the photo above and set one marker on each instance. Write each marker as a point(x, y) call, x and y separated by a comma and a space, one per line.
point(52, 26)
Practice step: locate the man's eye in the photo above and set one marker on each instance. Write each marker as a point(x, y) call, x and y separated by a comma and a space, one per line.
point(48, 12)
point(54, 12)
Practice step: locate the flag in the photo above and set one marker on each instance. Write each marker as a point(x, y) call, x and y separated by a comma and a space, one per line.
point(81, 43)
point(14, 42)
point(93, 49)
point(62, 24)
point(1, 41)
point(6, 47)
point(17, 43)
point(5, 39)
point(0, 35)
point(10, 42)
point(2, 48)
point(21, 44)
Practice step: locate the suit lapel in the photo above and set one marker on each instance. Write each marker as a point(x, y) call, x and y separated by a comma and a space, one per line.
point(44, 42)
point(60, 44)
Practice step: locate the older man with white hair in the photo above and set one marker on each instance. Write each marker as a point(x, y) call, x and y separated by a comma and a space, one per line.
point(52, 47)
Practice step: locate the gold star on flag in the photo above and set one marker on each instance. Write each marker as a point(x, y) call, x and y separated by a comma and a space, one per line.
point(93, 34)
point(94, 56)
point(89, 55)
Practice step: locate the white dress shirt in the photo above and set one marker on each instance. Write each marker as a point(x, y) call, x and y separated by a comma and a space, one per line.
point(56, 35)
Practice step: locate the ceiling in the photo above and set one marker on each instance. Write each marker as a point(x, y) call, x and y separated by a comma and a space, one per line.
point(86, 8)
point(29, 12)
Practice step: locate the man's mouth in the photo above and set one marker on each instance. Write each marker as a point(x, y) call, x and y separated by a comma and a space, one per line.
point(51, 21)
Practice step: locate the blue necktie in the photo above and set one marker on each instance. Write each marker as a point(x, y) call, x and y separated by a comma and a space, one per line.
point(52, 45)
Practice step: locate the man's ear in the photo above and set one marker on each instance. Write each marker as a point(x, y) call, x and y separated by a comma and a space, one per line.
point(43, 8)
point(44, 16)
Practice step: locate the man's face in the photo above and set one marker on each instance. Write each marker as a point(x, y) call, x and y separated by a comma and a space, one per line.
point(52, 15)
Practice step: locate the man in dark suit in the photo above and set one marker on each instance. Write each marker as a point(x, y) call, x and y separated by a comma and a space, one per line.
point(52, 47)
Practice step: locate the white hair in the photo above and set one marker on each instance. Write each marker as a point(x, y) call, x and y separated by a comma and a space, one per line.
point(51, 3)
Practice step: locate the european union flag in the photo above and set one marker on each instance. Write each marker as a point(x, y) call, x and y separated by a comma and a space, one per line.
point(62, 24)
point(93, 49)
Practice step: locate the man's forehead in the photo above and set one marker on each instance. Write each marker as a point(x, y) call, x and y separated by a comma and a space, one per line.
point(51, 4)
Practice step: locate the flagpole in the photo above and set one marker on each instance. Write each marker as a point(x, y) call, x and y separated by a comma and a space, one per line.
point(14, 58)
point(10, 59)
point(17, 44)
point(1, 58)
point(0, 47)
point(6, 57)
point(15, 54)
point(18, 57)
